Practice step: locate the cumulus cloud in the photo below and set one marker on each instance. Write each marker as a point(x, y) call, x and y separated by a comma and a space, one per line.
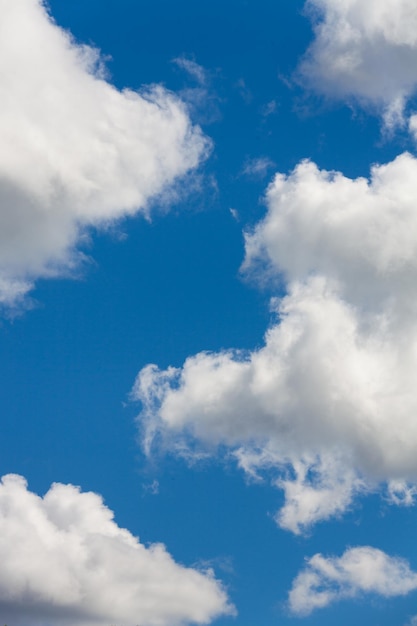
point(365, 51)
point(327, 405)
point(75, 152)
point(64, 561)
point(359, 234)
point(362, 570)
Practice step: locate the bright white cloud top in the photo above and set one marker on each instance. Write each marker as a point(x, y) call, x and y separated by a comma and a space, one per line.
point(329, 401)
point(359, 571)
point(364, 50)
point(74, 151)
point(65, 561)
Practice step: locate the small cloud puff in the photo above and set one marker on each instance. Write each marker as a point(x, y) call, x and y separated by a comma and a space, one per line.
point(361, 570)
point(201, 98)
point(192, 68)
point(269, 108)
point(258, 167)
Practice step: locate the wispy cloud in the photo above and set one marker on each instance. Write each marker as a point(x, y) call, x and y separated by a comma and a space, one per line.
point(244, 91)
point(192, 68)
point(200, 96)
point(257, 167)
point(270, 108)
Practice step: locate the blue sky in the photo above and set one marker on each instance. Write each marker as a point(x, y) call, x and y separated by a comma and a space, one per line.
point(224, 356)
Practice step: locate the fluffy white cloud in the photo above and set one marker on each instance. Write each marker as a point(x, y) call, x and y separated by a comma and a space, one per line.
point(364, 50)
point(65, 561)
point(328, 404)
point(359, 234)
point(74, 151)
point(358, 571)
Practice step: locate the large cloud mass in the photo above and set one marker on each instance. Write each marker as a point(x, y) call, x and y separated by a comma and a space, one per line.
point(364, 50)
point(74, 151)
point(329, 401)
point(64, 561)
point(362, 570)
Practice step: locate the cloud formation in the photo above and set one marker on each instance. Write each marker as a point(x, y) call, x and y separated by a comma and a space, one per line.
point(362, 570)
point(413, 126)
point(75, 152)
point(257, 167)
point(64, 561)
point(365, 51)
point(328, 404)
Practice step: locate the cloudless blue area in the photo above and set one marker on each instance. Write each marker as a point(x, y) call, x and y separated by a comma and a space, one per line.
point(159, 291)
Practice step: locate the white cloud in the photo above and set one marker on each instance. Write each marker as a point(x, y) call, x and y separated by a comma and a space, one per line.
point(257, 167)
point(322, 488)
point(65, 561)
point(328, 404)
point(360, 234)
point(74, 151)
point(413, 125)
point(365, 51)
point(235, 214)
point(269, 108)
point(358, 571)
point(401, 493)
point(192, 68)
point(199, 95)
